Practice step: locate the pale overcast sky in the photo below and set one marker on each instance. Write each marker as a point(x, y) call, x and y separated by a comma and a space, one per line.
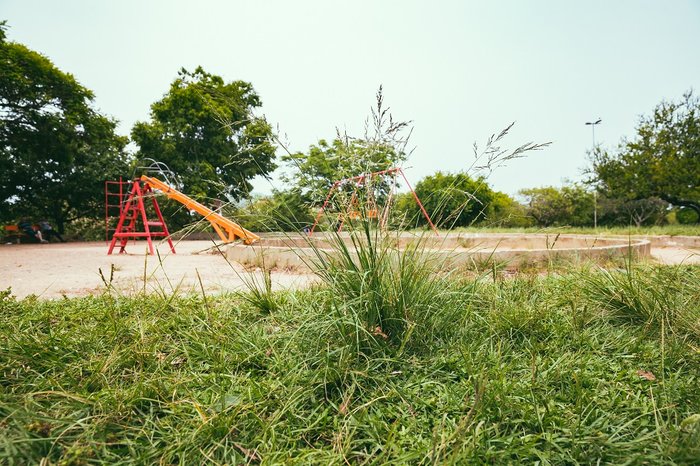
point(460, 70)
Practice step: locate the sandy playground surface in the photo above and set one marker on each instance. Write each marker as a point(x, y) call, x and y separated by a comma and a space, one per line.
point(73, 269)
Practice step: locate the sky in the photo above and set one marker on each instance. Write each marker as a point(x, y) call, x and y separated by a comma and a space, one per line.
point(459, 70)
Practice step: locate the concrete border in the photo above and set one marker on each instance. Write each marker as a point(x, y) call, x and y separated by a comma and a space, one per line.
point(454, 250)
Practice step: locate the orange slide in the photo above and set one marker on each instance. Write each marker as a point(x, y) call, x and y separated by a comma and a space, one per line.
point(227, 230)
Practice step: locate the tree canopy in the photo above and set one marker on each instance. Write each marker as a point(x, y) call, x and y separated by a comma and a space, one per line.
point(662, 160)
point(56, 148)
point(569, 205)
point(451, 200)
point(383, 146)
point(205, 131)
point(325, 163)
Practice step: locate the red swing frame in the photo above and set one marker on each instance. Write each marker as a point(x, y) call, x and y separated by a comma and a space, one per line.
point(358, 181)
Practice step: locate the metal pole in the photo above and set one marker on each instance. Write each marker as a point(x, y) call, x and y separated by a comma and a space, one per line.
point(595, 193)
point(595, 209)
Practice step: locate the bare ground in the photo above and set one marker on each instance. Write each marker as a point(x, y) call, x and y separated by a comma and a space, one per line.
point(73, 269)
point(676, 255)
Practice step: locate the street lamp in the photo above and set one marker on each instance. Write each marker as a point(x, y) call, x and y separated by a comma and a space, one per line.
point(595, 193)
point(592, 124)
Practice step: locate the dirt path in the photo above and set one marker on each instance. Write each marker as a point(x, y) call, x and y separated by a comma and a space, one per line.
point(676, 255)
point(73, 269)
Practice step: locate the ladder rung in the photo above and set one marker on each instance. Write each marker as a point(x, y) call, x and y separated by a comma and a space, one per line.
point(138, 234)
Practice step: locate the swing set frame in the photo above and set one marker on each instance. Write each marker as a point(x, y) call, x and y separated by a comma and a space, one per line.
point(365, 180)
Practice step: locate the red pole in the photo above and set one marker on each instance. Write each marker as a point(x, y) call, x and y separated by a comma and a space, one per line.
point(352, 199)
point(106, 212)
point(323, 208)
point(420, 204)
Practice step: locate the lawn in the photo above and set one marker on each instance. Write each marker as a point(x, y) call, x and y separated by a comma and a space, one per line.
point(384, 362)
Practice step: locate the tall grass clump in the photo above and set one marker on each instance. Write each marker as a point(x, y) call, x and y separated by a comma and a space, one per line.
point(382, 294)
point(660, 298)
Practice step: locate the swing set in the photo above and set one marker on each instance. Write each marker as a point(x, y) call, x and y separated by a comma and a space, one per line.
point(367, 182)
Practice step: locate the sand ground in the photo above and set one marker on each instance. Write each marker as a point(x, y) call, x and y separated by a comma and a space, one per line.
point(73, 269)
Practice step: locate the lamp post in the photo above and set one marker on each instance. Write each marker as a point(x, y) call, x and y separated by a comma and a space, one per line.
point(595, 193)
point(592, 124)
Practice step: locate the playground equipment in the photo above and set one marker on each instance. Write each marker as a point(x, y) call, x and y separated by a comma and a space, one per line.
point(369, 209)
point(133, 210)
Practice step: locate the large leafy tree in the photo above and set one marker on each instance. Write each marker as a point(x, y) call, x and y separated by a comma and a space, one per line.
point(55, 148)
point(451, 200)
point(383, 146)
point(571, 205)
point(662, 160)
point(315, 171)
point(205, 131)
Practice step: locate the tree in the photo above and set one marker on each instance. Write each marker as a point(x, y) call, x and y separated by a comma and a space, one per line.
point(663, 160)
point(687, 216)
point(651, 211)
point(451, 200)
point(570, 205)
point(283, 211)
point(55, 148)
point(325, 163)
point(504, 211)
point(205, 131)
point(382, 147)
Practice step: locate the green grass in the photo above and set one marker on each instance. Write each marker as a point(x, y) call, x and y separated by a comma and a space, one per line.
point(548, 370)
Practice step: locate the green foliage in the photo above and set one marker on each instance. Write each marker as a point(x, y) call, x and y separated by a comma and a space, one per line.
point(663, 160)
point(686, 216)
point(287, 210)
point(382, 295)
point(505, 211)
point(325, 163)
point(636, 212)
point(383, 146)
point(456, 200)
point(204, 130)
point(57, 149)
point(86, 229)
point(659, 299)
point(568, 205)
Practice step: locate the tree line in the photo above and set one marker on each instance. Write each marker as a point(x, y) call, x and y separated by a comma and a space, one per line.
point(58, 149)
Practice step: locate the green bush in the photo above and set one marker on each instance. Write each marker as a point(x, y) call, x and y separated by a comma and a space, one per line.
point(687, 216)
point(283, 211)
point(457, 200)
point(551, 206)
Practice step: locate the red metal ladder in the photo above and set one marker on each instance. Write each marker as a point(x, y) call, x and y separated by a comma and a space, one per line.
point(133, 214)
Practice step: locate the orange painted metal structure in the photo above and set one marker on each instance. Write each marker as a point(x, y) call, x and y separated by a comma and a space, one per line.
point(227, 230)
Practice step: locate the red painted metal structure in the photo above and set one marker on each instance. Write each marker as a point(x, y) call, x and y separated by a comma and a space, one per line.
point(133, 215)
point(115, 192)
point(359, 181)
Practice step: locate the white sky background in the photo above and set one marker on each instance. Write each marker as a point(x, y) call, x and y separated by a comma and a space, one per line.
point(460, 70)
